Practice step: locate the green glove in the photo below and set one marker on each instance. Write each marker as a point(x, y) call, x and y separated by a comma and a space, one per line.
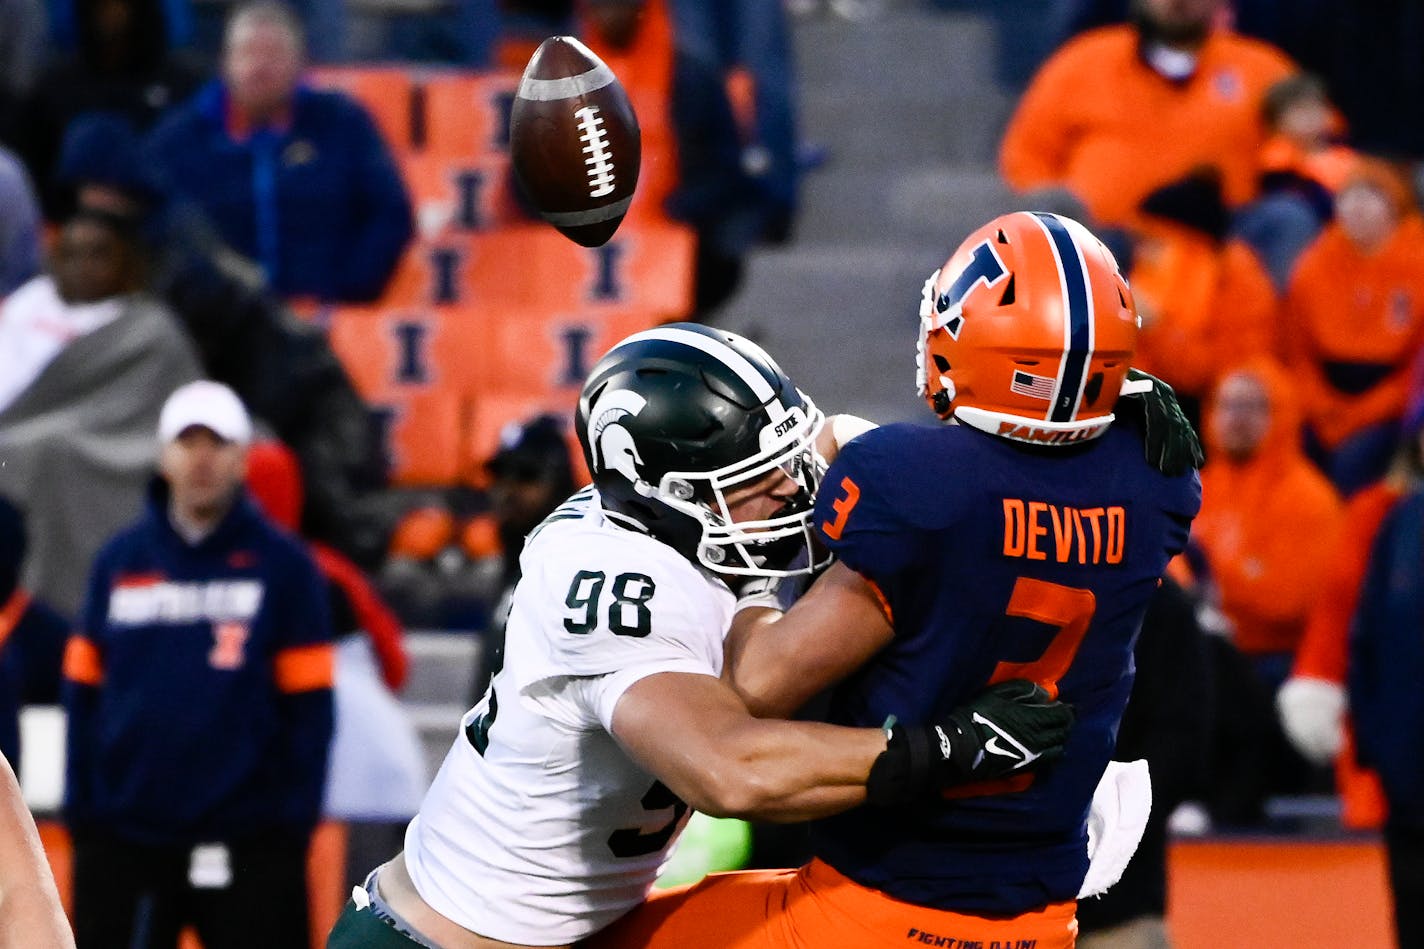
point(1171, 443)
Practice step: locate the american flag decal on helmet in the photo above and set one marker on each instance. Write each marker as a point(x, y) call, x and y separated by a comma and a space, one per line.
point(1035, 387)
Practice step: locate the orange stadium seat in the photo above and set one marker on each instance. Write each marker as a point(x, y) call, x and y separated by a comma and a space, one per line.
point(460, 195)
point(435, 271)
point(536, 352)
point(467, 113)
point(415, 366)
point(387, 92)
point(644, 267)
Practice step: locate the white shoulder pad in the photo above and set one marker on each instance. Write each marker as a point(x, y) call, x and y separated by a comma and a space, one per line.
point(597, 599)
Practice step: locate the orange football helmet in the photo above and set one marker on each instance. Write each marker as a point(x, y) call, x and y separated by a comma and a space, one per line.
point(1027, 331)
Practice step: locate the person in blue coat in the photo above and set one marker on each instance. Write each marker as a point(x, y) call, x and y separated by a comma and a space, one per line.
point(1386, 666)
point(296, 179)
point(198, 694)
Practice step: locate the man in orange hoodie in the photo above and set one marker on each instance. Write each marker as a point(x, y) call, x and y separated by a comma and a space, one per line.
point(1121, 110)
point(1354, 319)
point(1269, 519)
point(1204, 298)
point(1268, 527)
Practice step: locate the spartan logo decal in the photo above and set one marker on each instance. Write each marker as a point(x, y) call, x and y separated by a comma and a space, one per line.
point(613, 447)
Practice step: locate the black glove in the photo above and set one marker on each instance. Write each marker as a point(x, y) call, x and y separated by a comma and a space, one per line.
point(1003, 730)
point(1171, 442)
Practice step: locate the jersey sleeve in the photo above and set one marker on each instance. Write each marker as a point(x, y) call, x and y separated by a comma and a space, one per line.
point(863, 510)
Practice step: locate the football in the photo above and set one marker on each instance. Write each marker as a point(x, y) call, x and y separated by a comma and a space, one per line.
point(574, 141)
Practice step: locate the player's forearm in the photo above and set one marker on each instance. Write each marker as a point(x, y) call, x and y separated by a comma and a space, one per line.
point(761, 668)
point(775, 664)
point(790, 771)
point(31, 918)
point(30, 914)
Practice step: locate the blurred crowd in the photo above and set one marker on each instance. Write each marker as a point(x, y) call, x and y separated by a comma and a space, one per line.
point(307, 212)
point(1248, 166)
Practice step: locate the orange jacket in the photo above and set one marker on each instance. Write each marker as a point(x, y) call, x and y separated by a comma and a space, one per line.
point(1099, 121)
point(1324, 651)
point(1347, 308)
point(1203, 305)
point(1268, 525)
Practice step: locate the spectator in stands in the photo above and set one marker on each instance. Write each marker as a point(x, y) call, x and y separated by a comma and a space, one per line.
point(1269, 519)
point(283, 369)
point(723, 125)
point(31, 638)
point(1303, 141)
point(376, 775)
point(749, 43)
point(1268, 529)
point(122, 64)
point(19, 225)
point(1358, 47)
point(296, 179)
point(531, 475)
point(1354, 319)
point(1204, 299)
point(88, 359)
point(1168, 722)
point(199, 704)
point(1386, 663)
point(33, 916)
point(1122, 110)
point(1302, 166)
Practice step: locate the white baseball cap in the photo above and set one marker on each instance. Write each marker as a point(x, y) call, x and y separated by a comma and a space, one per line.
point(210, 404)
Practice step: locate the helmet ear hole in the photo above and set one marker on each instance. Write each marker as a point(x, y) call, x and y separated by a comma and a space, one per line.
point(1093, 389)
point(1008, 298)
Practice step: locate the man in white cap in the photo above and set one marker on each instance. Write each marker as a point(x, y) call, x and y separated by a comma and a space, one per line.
point(198, 687)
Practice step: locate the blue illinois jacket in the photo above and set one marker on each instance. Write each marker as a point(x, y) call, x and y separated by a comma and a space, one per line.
point(995, 561)
point(318, 204)
point(198, 685)
point(1387, 661)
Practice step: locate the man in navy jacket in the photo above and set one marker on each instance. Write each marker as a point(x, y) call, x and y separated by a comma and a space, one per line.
point(198, 687)
point(298, 180)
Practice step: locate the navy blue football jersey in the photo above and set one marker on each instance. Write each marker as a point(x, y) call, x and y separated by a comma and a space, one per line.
point(995, 560)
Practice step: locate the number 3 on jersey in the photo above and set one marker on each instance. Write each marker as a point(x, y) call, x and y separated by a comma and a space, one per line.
point(850, 495)
point(628, 613)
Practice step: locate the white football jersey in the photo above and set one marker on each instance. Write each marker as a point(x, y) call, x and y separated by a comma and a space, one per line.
point(539, 829)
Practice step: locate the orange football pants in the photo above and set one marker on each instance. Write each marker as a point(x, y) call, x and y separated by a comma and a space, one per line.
point(815, 907)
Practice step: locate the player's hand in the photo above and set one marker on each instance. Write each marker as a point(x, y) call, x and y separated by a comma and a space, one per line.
point(1007, 728)
point(1171, 442)
point(776, 593)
